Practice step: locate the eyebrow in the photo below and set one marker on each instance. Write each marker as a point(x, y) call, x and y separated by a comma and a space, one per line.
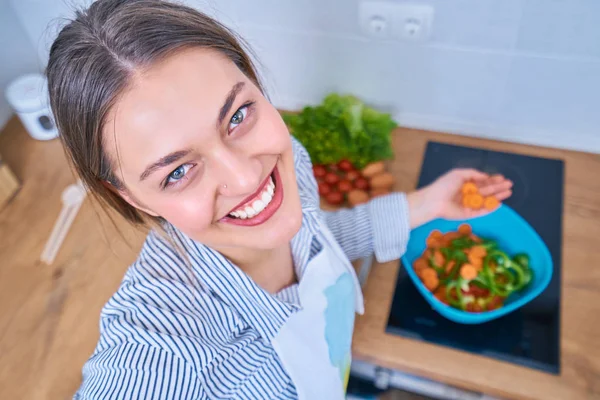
point(229, 101)
point(163, 162)
point(177, 155)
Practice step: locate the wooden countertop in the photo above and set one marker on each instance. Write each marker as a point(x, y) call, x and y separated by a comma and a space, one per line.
point(580, 308)
point(49, 314)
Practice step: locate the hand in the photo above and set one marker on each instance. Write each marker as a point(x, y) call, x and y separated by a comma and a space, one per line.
point(442, 199)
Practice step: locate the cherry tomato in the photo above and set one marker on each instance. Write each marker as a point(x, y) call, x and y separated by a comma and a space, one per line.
point(345, 165)
point(319, 171)
point(352, 175)
point(345, 186)
point(332, 178)
point(335, 198)
point(361, 183)
point(333, 167)
point(324, 189)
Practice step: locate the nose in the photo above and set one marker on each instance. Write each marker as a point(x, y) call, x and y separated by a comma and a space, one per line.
point(237, 173)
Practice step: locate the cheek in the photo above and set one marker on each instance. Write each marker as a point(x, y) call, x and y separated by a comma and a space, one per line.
point(188, 214)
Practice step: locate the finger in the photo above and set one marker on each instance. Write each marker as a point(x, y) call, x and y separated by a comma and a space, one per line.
point(504, 195)
point(493, 188)
point(471, 173)
point(497, 178)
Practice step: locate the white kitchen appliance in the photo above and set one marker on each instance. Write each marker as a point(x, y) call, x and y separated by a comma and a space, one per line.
point(28, 96)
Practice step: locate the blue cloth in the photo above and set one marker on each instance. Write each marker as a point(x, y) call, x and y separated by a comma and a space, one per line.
point(186, 323)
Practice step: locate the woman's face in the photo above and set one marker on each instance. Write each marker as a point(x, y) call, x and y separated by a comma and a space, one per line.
point(195, 142)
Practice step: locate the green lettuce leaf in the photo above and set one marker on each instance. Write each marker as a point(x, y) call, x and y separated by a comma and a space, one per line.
point(343, 127)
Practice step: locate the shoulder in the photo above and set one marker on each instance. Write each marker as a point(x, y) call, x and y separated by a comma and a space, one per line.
point(162, 302)
point(163, 324)
point(138, 371)
point(245, 369)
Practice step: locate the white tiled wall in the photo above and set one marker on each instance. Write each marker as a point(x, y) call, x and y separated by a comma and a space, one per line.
point(521, 70)
point(17, 55)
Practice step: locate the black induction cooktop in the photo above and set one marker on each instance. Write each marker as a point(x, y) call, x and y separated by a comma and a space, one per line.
point(529, 336)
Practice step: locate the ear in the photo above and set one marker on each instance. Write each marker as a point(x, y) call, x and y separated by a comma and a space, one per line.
point(125, 195)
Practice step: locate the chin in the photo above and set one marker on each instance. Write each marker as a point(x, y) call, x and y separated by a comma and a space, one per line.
point(282, 230)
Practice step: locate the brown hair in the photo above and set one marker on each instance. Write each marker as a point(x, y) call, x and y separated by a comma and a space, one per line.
point(92, 61)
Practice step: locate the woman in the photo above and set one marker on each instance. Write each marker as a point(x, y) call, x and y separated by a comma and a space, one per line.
point(243, 289)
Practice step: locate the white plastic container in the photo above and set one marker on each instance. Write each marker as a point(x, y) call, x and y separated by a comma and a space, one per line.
point(28, 96)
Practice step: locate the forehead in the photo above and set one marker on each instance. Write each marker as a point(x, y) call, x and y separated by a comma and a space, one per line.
point(167, 105)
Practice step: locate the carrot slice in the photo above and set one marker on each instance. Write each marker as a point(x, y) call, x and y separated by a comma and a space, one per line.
point(428, 274)
point(450, 265)
point(479, 251)
point(440, 294)
point(432, 243)
point(436, 234)
point(465, 229)
point(427, 253)
point(431, 283)
point(475, 201)
point(466, 201)
point(477, 262)
point(420, 264)
point(491, 203)
point(468, 272)
point(475, 258)
point(469, 188)
point(439, 258)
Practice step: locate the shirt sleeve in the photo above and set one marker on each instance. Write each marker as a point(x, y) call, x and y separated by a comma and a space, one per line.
point(137, 371)
point(381, 226)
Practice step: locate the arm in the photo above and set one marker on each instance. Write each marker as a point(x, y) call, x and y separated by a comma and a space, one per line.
point(138, 371)
point(381, 226)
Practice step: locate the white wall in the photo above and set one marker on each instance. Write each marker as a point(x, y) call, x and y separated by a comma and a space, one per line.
point(17, 55)
point(520, 70)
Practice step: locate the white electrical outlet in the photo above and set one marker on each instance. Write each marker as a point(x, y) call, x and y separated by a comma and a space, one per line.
point(404, 21)
point(375, 18)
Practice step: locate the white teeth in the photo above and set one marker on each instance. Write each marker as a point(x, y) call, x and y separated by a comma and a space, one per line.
point(266, 197)
point(250, 211)
point(258, 206)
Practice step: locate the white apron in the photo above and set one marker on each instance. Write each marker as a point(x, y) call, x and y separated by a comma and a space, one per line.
point(315, 343)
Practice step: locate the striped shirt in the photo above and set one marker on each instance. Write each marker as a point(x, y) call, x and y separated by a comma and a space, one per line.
point(186, 323)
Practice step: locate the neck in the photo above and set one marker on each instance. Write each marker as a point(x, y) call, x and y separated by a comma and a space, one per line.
point(272, 269)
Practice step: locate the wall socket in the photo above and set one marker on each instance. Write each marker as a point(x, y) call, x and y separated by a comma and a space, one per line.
point(391, 20)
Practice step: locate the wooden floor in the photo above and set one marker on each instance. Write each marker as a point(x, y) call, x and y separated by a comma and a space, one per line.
point(49, 314)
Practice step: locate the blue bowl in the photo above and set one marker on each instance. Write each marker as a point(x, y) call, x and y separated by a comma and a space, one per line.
point(513, 234)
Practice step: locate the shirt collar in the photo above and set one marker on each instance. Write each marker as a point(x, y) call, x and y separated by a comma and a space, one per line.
point(231, 285)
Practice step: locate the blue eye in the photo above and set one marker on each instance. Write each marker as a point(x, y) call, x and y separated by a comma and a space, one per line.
point(238, 117)
point(177, 174)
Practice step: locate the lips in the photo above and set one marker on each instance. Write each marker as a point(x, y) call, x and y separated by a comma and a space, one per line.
point(259, 206)
point(257, 203)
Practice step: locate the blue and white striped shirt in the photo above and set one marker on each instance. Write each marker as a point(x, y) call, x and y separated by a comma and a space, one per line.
point(186, 323)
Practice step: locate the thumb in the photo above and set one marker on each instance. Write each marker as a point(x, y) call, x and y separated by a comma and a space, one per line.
point(471, 173)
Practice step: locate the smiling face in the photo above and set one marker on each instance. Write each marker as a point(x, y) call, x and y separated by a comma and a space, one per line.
point(195, 142)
